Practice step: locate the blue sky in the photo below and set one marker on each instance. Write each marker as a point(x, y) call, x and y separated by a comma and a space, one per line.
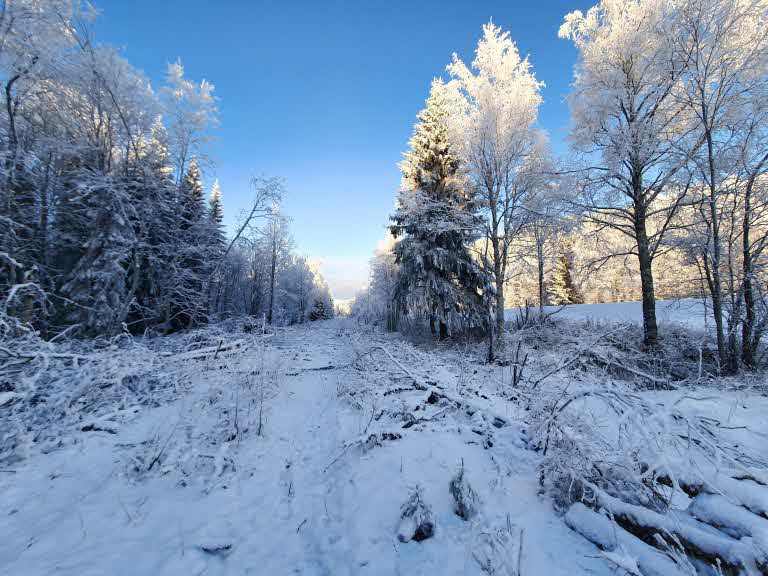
point(325, 94)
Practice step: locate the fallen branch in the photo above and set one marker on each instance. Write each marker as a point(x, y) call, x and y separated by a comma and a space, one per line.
point(574, 359)
point(418, 383)
point(317, 369)
point(205, 352)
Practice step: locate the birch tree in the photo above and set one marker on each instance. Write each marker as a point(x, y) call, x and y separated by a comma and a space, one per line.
point(722, 47)
point(495, 106)
point(191, 111)
point(629, 127)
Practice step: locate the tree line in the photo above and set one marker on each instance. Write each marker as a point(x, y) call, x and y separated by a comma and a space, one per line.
point(666, 176)
point(105, 223)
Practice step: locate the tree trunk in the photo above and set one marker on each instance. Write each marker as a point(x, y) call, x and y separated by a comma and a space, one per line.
point(645, 260)
point(500, 316)
point(443, 331)
point(716, 281)
point(9, 242)
point(540, 263)
point(716, 291)
point(272, 278)
point(748, 340)
point(491, 354)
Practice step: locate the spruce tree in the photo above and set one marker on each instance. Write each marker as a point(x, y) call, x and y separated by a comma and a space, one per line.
point(190, 300)
point(563, 290)
point(216, 247)
point(216, 219)
point(434, 219)
point(192, 198)
point(153, 194)
point(96, 241)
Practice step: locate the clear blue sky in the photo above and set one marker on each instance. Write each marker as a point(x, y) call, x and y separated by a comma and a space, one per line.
point(325, 94)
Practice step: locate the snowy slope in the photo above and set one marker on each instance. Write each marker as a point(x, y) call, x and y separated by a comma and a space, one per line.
point(684, 312)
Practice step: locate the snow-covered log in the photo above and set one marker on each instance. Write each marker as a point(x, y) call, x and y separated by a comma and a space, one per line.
point(747, 491)
point(699, 540)
point(618, 543)
point(737, 521)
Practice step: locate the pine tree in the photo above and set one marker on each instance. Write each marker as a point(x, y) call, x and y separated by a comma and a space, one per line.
point(562, 289)
point(438, 278)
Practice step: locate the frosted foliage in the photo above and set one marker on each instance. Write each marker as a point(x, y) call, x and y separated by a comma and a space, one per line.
point(435, 223)
point(495, 102)
point(191, 111)
point(623, 79)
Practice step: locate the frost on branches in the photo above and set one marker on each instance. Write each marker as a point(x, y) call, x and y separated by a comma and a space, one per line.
point(436, 221)
point(494, 106)
point(104, 223)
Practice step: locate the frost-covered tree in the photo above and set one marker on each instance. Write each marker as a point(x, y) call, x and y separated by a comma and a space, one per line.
point(34, 43)
point(191, 112)
point(722, 47)
point(189, 301)
point(537, 247)
point(97, 283)
point(216, 217)
point(216, 245)
point(562, 288)
point(279, 244)
point(154, 261)
point(377, 302)
point(192, 198)
point(494, 107)
point(630, 127)
point(436, 223)
point(322, 301)
point(93, 231)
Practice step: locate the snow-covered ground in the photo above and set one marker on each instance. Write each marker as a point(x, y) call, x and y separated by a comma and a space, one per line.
point(353, 421)
point(309, 496)
point(684, 312)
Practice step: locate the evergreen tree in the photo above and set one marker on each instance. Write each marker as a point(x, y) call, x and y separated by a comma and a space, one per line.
point(562, 289)
point(190, 300)
point(93, 284)
point(318, 311)
point(192, 199)
point(218, 239)
point(434, 220)
point(154, 196)
point(214, 205)
point(216, 246)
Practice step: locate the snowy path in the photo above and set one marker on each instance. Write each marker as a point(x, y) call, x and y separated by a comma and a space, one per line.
point(293, 501)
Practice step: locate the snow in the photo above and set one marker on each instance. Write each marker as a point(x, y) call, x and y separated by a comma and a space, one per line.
point(622, 549)
point(354, 420)
point(303, 498)
point(684, 312)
